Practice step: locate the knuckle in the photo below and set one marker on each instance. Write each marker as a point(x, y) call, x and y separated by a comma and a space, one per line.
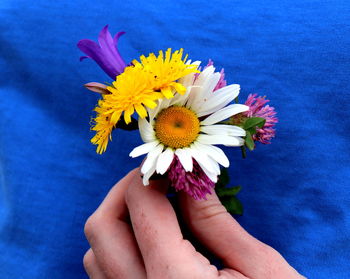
point(133, 188)
point(274, 262)
point(88, 260)
point(269, 253)
point(91, 224)
point(129, 194)
point(210, 210)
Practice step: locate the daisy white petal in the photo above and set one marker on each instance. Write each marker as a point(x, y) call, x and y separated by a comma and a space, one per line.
point(189, 79)
point(183, 99)
point(164, 161)
point(147, 175)
point(198, 147)
point(212, 176)
point(220, 99)
point(215, 165)
point(143, 149)
point(185, 158)
point(151, 159)
point(215, 153)
point(224, 114)
point(203, 159)
point(165, 104)
point(210, 84)
point(218, 129)
point(197, 89)
point(232, 90)
point(153, 112)
point(221, 139)
point(203, 76)
point(146, 130)
point(206, 91)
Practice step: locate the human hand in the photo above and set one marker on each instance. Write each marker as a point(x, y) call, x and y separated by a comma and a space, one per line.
point(135, 234)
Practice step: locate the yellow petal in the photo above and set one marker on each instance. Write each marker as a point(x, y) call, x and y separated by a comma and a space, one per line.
point(160, 57)
point(156, 96)
point(150, 104)
point(141, 111)
point(167, 55)
point(167, 92)
point(179, 87)
point(135, 62)
point(111, 89)
point(127, 114)
point(115, 117)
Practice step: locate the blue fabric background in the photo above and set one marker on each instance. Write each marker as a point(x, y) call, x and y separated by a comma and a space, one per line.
point(296, 191)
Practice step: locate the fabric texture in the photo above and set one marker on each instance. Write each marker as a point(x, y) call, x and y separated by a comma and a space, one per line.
point(295, 191)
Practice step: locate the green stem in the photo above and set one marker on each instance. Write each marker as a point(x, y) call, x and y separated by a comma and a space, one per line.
point(244, 152)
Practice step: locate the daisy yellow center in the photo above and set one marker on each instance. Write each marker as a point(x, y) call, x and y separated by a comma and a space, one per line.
point(177, 127)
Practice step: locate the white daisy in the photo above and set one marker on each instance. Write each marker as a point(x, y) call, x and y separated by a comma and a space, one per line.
point(188, 126)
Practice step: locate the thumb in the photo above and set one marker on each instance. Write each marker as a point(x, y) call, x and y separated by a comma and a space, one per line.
point(220, 233)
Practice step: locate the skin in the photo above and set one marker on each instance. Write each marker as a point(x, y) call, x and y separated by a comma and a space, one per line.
point(135, 234)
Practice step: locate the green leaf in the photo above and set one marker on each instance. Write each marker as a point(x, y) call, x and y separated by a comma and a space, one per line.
point(236, 189)
point(233, 205)
point(227, 194)
point(249, 142)
point(228, 191)
point(254, 122)
point(223, 179)
point(252, 130)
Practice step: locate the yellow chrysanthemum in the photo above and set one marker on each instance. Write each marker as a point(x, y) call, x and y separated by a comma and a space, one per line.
point(103, 128)
point(140, 85)
point(165, 71)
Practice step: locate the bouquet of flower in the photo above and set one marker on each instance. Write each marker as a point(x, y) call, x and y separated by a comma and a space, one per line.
point(183, 112)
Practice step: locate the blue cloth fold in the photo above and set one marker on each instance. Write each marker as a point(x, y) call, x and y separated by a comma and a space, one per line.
point(295, 191)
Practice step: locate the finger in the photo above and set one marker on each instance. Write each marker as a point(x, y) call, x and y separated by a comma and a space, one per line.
point(220, 233)
point(91, 266)
point(111, 237)
point(165, 253)
point(231, 274)
point(153, 218)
